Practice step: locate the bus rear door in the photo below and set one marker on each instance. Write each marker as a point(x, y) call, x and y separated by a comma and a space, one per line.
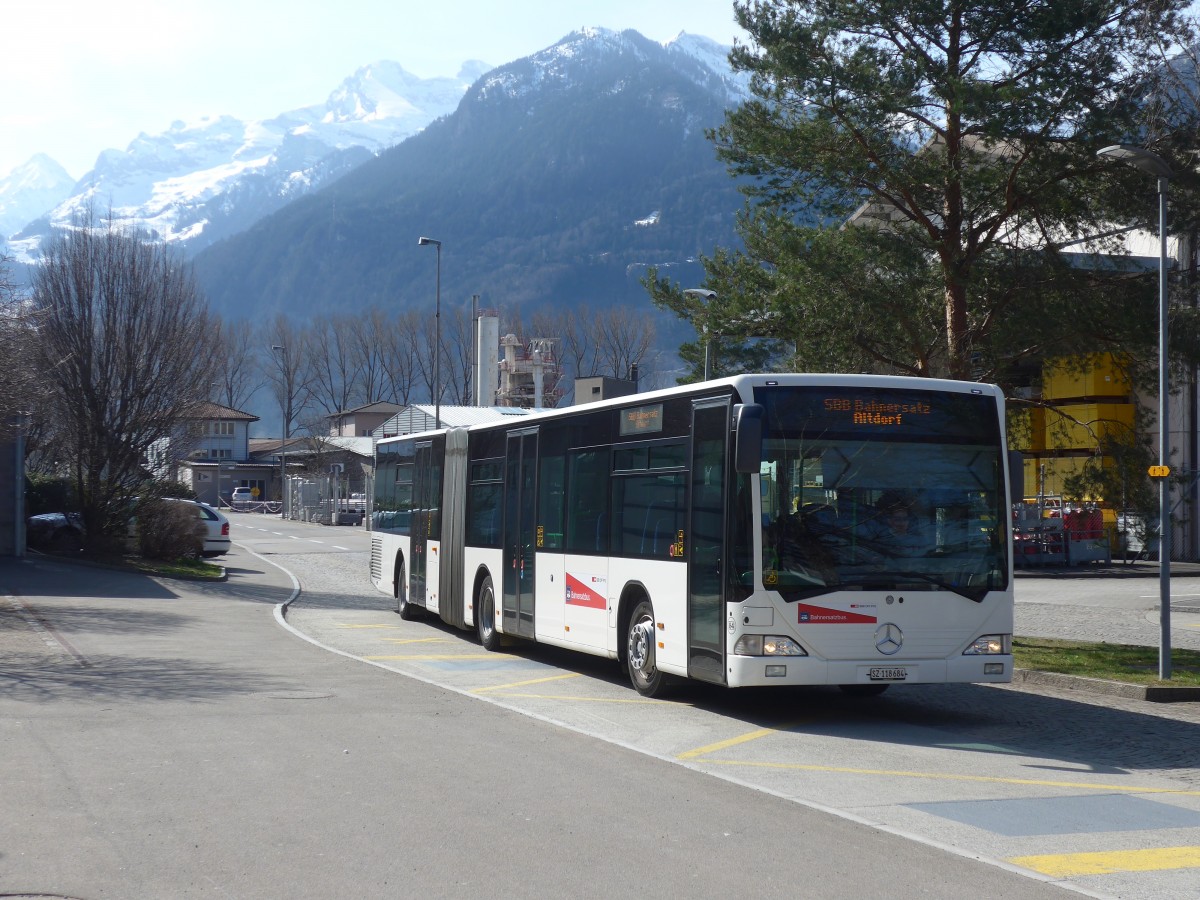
point(425, 491)
point(520, 532)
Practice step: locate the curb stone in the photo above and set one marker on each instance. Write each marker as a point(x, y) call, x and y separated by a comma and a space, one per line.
point(1151, 692)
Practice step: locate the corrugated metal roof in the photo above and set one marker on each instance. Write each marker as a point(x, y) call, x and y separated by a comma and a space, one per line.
point(379, 406)
point(363, 446)
point(420, 417)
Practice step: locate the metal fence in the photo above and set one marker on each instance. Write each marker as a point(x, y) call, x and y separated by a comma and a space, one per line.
point(324, 500)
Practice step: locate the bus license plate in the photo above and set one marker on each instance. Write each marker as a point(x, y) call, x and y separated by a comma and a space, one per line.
point(894, 674)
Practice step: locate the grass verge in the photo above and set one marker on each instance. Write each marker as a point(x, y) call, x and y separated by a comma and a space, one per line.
point(1112, 662)
point(179, 568)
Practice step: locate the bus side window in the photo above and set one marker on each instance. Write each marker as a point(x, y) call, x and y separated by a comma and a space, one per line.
point(587, 501)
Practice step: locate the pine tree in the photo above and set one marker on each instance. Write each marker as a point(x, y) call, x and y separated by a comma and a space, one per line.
point(915, 171)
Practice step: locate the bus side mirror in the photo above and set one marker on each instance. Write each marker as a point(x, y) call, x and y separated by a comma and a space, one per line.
point(1016, 475)
point(747, 437)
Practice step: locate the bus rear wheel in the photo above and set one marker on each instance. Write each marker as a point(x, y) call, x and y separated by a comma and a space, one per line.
point(407, 611)
point(485, 616)
point(640, 656)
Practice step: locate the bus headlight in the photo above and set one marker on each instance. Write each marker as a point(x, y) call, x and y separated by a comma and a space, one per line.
point(990, 645)
point(767, 645)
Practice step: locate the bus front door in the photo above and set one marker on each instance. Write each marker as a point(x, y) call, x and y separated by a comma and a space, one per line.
point(520, 533)
point(705, 544)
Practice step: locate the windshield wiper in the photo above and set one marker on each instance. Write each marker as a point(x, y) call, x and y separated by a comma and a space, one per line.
point(896, 580)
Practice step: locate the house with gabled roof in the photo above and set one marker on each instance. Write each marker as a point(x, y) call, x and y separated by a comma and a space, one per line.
point(361, 421)
point(212, 456)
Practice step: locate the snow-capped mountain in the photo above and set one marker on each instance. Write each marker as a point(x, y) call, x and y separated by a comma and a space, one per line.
point(31, 189)
point(712, 61)
point(559, 179)
point(701, 59)
point(198, 182)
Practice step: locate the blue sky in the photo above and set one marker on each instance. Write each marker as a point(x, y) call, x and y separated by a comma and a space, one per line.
point(81, 76)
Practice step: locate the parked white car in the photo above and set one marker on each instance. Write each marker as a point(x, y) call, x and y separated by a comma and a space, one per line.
point(240, 497)
point(216, 537)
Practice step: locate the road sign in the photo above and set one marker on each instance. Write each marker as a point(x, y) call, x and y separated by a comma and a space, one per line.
point(254, 492)
point(1160, 471)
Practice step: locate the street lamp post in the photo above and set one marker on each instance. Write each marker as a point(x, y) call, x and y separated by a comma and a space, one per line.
point(277, 348)
point(217, 452)
point(1155, 165)
point(708, 296)
point(437, 333)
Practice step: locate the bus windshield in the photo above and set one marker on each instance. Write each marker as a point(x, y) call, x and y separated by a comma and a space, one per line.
point(881, 489)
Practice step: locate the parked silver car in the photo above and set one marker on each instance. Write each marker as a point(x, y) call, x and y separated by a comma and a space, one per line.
point(216, 537)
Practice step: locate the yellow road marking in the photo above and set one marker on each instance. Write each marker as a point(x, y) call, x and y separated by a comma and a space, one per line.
point(731, 742)
point(432, 640)
point(1071, 865)
point(516, 684)
point(440, 656)
point(638, 700)
point(347, 625)
point(946, 776)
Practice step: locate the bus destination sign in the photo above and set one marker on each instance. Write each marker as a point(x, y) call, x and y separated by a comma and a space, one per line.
point(642, 419)
point(873, 411)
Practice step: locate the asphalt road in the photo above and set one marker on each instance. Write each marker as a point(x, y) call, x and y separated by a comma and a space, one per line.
point(173, 739)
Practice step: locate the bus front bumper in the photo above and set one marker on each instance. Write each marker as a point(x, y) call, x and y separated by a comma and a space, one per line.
point(748, 671)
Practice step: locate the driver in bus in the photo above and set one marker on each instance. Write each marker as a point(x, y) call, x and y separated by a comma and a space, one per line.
point(896, 530)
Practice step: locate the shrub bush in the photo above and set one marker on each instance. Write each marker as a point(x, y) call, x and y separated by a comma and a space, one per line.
point(169, 531)
point(167, 488)
point(46, 493)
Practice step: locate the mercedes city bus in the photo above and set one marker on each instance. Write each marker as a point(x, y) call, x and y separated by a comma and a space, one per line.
point(849, 530)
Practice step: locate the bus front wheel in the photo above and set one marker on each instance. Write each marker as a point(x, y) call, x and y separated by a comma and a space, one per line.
point(640, 655)
point(485, 616)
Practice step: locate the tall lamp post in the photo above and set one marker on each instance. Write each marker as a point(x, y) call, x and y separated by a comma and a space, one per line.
point(708, 297)
point(1153, 164)
point(217, 453)
point(437, 333)
point(277, 348)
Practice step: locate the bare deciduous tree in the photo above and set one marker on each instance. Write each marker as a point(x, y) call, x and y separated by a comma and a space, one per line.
point(369, 338)
point(401, 347)
point(610, 342)
point(287, 370)
point(126, 350)
point(457, 352)
point(335, 361)
point(18, 383)
point(240, 376)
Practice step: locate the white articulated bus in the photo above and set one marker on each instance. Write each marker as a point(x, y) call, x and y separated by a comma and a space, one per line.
point(848, 530)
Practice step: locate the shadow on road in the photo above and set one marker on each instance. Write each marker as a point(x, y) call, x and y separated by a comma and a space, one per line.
point(38, 678)
point(102, 620)
point(69, 579)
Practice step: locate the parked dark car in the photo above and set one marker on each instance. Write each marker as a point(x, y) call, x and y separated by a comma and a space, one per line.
point(54, 531)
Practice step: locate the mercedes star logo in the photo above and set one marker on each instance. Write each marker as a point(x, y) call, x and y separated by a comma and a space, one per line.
point(888, 639)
